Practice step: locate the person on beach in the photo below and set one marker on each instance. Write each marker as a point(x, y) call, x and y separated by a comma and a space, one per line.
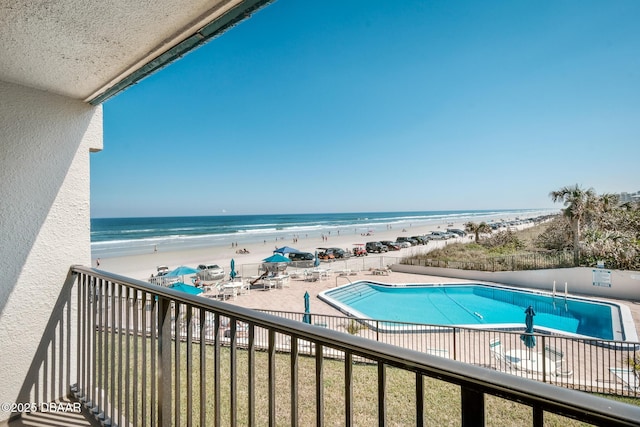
point(98, 262)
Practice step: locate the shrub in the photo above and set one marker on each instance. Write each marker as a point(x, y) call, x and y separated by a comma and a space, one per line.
point(507, 241)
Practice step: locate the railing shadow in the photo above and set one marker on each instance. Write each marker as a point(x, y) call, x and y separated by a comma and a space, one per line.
point(49, 375)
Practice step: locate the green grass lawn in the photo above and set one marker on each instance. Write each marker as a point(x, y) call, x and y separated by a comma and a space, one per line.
point(441, 402)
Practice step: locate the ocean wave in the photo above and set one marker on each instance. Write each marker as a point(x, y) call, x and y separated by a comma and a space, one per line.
point(123, 237)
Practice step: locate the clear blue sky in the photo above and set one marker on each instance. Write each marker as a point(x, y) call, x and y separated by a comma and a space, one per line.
point(342, 106)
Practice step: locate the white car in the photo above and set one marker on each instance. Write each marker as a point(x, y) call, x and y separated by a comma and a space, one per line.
point(438, 235)
point(210, 272)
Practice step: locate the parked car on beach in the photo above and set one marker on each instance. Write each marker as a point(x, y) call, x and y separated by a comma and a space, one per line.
point(422, 240)
point(460, 233)
point(302, 259)
point(392, 246)
point(325, 255)
point(411, 240)
point(438, 235)
point(359, 250)
point(376, 247)
point(338, 253)
point(210, 272)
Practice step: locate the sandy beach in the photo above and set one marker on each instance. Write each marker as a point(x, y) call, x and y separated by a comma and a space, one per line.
point(290, 299)
point(142, 266)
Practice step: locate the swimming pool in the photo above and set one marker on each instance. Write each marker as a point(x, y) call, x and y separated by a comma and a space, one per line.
point(479, 305)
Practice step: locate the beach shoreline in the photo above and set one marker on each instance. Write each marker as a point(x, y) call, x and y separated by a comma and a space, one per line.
point(142, 266)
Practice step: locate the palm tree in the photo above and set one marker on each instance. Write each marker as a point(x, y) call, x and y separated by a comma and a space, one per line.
point(472, 227)
point(608, 202)
point(579, 203)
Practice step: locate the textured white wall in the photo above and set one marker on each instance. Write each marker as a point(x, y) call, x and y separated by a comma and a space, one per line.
point(45, 142)
point(624, 284)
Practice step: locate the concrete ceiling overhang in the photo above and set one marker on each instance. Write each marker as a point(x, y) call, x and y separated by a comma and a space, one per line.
point(91, 50)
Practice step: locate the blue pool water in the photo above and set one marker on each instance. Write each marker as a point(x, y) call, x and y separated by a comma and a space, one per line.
point(473, 305)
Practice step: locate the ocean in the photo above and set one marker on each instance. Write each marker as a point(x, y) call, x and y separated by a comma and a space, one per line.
point(112, 237)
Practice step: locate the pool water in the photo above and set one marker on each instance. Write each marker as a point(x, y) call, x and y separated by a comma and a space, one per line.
point(473, 305)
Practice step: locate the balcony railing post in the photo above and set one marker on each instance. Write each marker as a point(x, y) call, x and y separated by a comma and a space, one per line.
point(544, 360)
point(319, 385)
point(472, 407)
point(348, 389)
point(164, 361)
point(382, 391)
point(455, 346)
point(419, 400)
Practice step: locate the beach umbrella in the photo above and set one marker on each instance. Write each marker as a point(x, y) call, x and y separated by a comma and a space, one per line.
point(188, 289)
point(528, 339)
point(233, 273)
point(286, 250)
point(276, 262)
point(181, 272)
point(316, 261)
point(307, 314)
point(276, 258)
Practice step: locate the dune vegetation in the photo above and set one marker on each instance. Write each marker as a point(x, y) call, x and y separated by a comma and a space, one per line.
point(592, 227)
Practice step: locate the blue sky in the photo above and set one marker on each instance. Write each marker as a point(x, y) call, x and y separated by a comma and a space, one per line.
point(343, 106)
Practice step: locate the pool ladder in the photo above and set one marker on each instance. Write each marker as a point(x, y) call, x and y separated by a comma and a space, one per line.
point(566, 307)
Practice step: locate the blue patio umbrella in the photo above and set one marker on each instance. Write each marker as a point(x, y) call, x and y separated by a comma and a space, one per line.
point(277, 258)
point(316, 261)
point(233, 273)
point(528, 339)
point(307, 314)
point(276, 263)
point(286, 250)
point(181, 272)
point(188, 289)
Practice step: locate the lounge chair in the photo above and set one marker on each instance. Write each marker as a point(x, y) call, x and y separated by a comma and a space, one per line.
point(629, 378)
point(246, 288)
point(269, 282)
point(294, 274)
point(283, 281)
point(497, 352)
point(557, 356)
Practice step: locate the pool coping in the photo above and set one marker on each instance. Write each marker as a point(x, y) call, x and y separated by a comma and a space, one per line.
point(623, 325)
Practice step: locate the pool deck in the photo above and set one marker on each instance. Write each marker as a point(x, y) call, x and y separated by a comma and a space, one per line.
point(587, 367)
point(292, 298)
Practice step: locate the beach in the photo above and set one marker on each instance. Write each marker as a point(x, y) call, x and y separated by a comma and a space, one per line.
point(291, 299)
point(142, 266)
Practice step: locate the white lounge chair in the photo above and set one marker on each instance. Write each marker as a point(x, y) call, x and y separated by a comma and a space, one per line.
point(283, 281)
point(269, 282)
point(497, 352)
point(629, 378)
point(557, 356)
point(246, 288)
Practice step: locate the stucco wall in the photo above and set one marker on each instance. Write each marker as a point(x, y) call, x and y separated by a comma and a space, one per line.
point(45, 142)
point(625, 285)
